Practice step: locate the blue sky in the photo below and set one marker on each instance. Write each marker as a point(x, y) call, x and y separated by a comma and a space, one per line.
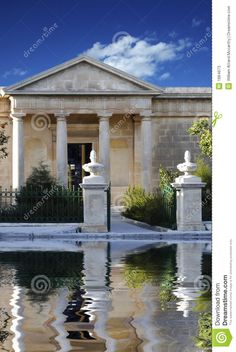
point(167, 43)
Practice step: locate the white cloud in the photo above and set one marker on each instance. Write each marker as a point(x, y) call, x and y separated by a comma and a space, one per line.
point(164, 76)
point(196, 22)
point(140, 57)
point(15, 72)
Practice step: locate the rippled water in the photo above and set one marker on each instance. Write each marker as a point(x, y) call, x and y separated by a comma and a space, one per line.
point(106, 296)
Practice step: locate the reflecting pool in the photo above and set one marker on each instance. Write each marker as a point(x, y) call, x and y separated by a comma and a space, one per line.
point(117, 296)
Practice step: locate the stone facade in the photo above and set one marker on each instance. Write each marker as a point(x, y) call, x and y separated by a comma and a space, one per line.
point(132, 125)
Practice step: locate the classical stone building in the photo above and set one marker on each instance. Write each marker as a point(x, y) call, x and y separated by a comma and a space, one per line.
point(59, 115)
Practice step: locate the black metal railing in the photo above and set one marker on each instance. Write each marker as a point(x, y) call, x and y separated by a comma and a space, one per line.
point(169, 206)
point(108, 203)
point(56, 204)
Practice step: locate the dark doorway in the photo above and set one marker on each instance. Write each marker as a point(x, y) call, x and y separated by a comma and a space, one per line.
point(78, 154)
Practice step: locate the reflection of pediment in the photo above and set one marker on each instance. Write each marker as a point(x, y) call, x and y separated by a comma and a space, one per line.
point(83, 75)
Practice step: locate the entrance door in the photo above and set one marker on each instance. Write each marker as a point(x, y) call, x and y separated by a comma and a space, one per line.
point(78, 154)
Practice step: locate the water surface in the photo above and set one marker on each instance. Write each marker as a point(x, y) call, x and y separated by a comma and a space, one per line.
point(120, 296)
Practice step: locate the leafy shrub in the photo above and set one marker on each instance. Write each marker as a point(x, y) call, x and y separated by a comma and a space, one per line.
point(40, 178)
point(42, 198)
point(204, 171)
point(147, 207)
point(202, 130)
point(167, 176)
point(204, 338)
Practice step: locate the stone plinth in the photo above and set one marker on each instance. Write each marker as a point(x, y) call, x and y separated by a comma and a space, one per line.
point(189, 203)
point(94, 198)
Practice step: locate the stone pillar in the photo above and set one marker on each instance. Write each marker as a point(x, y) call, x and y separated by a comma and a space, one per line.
point(137, 151)
point(188, 197)
point(94, 197)
point(146, 152)
point(104, 144)
point(61, 150)
point(17, 150)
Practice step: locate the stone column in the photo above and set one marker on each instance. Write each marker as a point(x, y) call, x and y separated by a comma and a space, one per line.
point(61, 150)
point(17, 150)
point(146, 152)
point(104, 144)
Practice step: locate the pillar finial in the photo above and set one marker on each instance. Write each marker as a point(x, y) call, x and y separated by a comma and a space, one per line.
point(187, 167)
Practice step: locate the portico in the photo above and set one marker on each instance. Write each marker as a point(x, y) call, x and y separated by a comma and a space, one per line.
point(132, 125)
point(62, 121)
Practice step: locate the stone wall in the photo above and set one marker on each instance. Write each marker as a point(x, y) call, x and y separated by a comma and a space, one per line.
point(171, 139)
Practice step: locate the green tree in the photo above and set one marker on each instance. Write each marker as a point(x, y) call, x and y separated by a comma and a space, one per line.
point(40, 177)
point(202, 129)
point(3, 141)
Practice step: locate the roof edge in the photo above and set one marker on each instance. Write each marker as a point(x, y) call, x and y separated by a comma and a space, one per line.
point(75, 61)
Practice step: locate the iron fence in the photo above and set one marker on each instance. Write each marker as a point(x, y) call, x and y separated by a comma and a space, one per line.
point(56, 204)
point(108, 204)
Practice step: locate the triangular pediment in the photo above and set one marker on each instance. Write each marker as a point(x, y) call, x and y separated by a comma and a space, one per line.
point(82, 75)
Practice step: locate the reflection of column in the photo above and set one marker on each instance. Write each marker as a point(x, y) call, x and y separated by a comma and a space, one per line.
point(145, 323)
point(61, 154)
point(104, 144)
point(189, 263)
point(17, 343)
point(146, 152)
point(58, 324)
point(95, 285)
point(17, 150)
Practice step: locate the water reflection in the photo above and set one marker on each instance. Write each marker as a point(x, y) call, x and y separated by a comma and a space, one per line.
point(119, 296)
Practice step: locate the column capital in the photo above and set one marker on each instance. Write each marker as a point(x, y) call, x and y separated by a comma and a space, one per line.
point(104, 115)
point(17, 115)
point(61, 115)
point(146, 115)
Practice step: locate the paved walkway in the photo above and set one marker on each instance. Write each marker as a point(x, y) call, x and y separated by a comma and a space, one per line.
point(119, 228)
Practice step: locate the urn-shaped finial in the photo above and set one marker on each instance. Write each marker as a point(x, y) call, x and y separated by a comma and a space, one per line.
point(187, 167)
point(94, 168)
